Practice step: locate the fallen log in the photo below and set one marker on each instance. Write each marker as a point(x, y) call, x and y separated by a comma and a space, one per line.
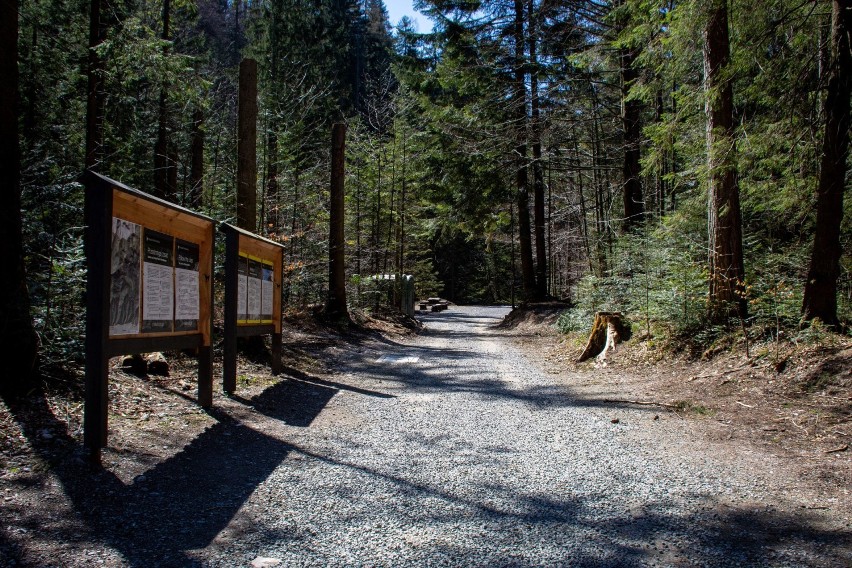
point(157, 364)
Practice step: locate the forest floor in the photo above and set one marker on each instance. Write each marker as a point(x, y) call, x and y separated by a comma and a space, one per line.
point(166, 454)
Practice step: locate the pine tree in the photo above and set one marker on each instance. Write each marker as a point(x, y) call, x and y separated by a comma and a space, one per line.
point(17, 337)
point(820, 300)
point(727, 275)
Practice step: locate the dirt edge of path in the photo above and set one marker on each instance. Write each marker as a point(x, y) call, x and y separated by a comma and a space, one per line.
point(791, 402)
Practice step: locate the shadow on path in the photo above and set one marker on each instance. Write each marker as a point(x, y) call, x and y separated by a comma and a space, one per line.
point(182, 503)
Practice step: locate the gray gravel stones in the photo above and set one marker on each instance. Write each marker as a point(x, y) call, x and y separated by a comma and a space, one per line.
point(452, 450)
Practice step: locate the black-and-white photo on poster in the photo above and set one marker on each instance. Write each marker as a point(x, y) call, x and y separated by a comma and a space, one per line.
point(186, 286)
point(158, 287)
point(254, 290)
point(266, 296)
point(242, 289)
point(124, 277)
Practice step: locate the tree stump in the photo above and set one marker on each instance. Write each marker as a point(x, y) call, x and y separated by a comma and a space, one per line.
point(606, 332)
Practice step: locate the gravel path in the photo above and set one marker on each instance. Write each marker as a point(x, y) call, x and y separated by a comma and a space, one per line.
point(446, 448)
point(451, 449)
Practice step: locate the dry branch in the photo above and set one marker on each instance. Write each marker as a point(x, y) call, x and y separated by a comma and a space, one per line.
point(722, 374)
point(642, 403)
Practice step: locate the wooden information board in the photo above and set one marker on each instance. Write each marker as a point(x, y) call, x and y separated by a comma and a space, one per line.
point(149, 288)
point(253, 273)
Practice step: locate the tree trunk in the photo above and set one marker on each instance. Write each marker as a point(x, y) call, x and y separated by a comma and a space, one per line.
point(521, 177)
point(247, 147)
point(538, 174)
point(401, 225)
point(512, 239)
point(584, 219)
point(375, 237)
point(162, 152)
point(528, 284)
point(660, 173)
point(358, 229)
point(272, 181)
point(726, 298)
point(600, 187)
point(820, 300)
point(94, 90)
point(18, 341)
point(336, 305)
point(196, 171)
point(632, 125)
point(272, 198)
point(161, 182)
point(607, 331)
point(388, 245)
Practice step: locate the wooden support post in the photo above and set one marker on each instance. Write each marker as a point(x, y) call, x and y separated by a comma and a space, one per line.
point(276, 354)
point(229, 364)
point(205, 376)
point(98, 219)
point(206, 269)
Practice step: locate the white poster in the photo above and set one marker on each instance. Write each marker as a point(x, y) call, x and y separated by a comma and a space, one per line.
point(242, 289)
point(124, 277)
point(186, 286)
point(157, 282)
point(267, 287)
point(254, 291)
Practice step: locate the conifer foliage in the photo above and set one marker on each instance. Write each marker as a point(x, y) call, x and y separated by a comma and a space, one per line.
point(681, 161)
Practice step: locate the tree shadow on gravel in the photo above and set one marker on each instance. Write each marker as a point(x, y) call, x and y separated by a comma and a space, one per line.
point(10, 552)
point(465, 370)
point(713, 534)
point(710, 534)
point(179, 505)
point(720, 535)
point(443, 370)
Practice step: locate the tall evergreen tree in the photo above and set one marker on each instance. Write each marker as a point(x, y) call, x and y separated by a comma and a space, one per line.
point(165, 166)
point(535, 127)
point(247, 147)
point(820, 300)
point(519, 101)
point(631, 122)
point(727, 274)
point(18, 340)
